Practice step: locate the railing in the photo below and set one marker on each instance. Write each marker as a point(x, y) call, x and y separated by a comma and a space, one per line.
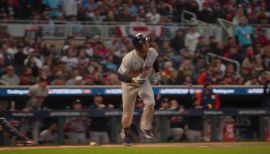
point(215, 118)
point(80, 31)
point(237, 64)
point(190, 15)
point(228, 26)
point(205, 29)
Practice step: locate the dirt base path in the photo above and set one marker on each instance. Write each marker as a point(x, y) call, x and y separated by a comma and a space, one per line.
point(209, 144)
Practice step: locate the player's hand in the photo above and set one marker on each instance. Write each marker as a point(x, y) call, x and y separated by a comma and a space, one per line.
point(156, 79)
point(138, 80)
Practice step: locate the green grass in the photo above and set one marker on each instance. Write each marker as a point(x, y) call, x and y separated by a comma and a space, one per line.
point(140, 150)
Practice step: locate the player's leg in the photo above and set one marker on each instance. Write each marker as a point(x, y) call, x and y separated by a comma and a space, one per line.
point(35, 130)
point(105, 138)
point(129, 95)
point(176, 133)
point(82, 138)
point(147, 94)
point(94, 136)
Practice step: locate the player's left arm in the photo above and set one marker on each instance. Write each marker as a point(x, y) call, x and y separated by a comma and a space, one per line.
point(156, 75)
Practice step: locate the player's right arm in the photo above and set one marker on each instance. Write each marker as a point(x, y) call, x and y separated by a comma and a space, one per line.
point(123, 70)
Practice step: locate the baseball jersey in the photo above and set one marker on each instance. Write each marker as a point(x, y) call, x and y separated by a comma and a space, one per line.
point(78, 123)
point(133, 65)
point(37, 96)
point(48, 137)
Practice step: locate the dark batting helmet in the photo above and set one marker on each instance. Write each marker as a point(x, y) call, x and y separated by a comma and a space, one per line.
point(138, 40)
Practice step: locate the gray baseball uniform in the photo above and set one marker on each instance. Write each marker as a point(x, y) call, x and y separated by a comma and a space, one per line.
point(37, 97)
point(132, 66)
point(78, 125)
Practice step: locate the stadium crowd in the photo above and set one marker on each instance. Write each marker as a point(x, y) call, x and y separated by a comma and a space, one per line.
point(95, 62)
point(152, 11)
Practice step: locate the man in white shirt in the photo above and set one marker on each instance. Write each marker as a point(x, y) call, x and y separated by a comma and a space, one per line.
point(191, 39)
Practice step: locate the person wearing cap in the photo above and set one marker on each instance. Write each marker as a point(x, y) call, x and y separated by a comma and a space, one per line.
point(208, 100)
point(76, 126)
point(135, 73)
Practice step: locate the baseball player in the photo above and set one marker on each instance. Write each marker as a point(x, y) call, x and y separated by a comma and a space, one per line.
point(134, 73)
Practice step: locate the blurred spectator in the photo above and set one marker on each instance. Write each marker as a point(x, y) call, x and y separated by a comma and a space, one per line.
point(252, 81)
point(49, 136)
point(19, 59)
point(153, 16)
point(98, 126)
point(76, 126)
point(69, 59)
point(10, 77)
point(34, 64)
point(234, 54)
point(177, 42)
point(218, 11)
point(194, 124)
point(164, 104)
point(26, 77)
point(177, 123)
point(70, 7)
point(191, 39)
point(168, 74)
point(249, 62)
point(266, 91)
point(244, 34)
point(261, 38)
point(54, 8)
point(240, 14)
point(75, 77)
point(208, 99)
point(206, 14)
point(202, 48)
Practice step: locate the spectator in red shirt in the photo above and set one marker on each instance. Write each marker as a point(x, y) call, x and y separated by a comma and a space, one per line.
point(261, 37)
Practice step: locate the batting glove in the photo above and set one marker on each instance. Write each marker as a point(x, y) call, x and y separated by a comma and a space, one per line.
point(156, 79)
point(138, 80)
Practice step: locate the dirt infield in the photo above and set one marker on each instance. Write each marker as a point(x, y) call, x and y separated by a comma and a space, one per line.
point(148, 145)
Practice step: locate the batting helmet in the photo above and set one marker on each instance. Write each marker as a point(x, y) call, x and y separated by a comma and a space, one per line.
point(138, 39)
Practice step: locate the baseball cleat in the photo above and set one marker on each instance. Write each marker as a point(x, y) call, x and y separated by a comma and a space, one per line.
point(125, 134)
point(127, 141)
point(148, 133)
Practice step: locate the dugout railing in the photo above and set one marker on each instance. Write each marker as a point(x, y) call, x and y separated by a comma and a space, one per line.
point(162, 115)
